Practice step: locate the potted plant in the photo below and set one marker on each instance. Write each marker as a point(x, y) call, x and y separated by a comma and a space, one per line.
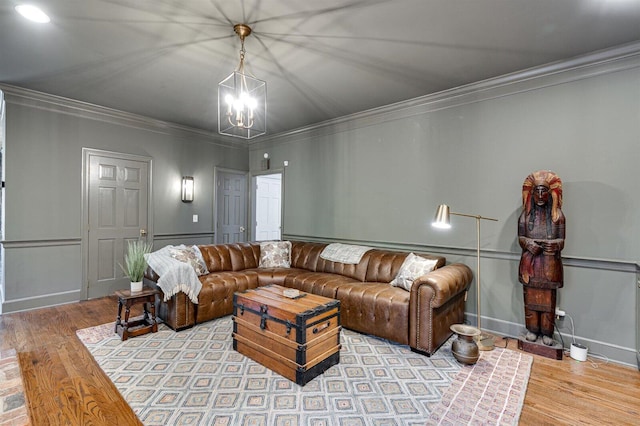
point(135, 263)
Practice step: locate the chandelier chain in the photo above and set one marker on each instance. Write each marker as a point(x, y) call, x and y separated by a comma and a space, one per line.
point(242, 53)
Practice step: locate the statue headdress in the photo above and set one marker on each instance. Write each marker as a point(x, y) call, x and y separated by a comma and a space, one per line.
point(551, 181)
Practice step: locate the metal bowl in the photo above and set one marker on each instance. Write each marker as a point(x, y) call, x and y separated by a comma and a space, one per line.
point(465, 330)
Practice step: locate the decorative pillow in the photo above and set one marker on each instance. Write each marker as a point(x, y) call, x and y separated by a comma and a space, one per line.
point(275, 254)
point(198, 253)
point(188, 255)
point(412, 268)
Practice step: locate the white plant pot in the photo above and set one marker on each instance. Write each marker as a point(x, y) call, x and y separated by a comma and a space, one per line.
point(136, 286)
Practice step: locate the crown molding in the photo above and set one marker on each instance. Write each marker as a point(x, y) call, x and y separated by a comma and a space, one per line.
point(580, 67)
point(601, 62)
point(48, 102)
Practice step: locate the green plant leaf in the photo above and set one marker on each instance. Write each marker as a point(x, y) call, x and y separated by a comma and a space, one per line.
point(135, 263)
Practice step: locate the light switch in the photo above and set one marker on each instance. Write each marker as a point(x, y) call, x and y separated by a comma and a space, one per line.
point(195, 218)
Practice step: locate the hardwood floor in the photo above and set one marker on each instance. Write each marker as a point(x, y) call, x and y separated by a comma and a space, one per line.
point(64, 385)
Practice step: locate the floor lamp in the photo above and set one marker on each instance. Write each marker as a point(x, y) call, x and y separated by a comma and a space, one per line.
point(442, 220)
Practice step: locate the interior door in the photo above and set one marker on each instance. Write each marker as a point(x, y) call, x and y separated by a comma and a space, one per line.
point(231, 210)
point(117, 213)
point(268, 207)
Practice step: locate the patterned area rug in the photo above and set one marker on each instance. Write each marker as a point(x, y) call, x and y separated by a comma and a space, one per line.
point(195, 377)
point(13, 410)
point(491, 392)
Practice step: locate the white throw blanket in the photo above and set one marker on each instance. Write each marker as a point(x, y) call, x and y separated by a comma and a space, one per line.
point(175, 276)
point(344, 253)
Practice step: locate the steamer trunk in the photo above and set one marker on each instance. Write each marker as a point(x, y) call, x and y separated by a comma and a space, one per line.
point(298, 338)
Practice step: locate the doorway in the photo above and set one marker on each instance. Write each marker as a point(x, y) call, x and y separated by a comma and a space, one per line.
point(267, 207)
point(116, 205)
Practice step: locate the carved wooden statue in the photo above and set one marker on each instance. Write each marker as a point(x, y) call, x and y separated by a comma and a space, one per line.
point(541, 234)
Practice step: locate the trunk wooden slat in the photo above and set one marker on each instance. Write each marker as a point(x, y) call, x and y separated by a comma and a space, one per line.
point(298, 338)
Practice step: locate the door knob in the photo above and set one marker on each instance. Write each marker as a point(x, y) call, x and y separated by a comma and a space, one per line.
point(143, 232)
point(242, 229)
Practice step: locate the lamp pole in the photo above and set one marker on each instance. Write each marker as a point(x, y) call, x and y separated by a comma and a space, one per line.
point(478, 218)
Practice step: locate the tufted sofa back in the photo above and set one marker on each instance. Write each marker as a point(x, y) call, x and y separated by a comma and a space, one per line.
point(231, 257)
point(305, 255)
point(375, 265)
point(383, 265)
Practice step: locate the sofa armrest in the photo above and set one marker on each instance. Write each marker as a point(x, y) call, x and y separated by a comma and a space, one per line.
point(178, 312)
point(446, 283)
point(436, 302)
point(151, 275)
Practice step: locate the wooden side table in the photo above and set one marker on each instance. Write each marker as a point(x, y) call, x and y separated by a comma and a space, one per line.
point(147, 324)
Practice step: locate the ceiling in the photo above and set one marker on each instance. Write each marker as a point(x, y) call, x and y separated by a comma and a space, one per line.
point(323, 59)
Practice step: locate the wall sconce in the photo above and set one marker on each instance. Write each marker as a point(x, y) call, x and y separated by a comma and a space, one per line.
point(264, 163)
point(187, 189)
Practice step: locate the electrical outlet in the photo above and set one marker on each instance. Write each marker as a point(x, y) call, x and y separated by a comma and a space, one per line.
point(560, 313)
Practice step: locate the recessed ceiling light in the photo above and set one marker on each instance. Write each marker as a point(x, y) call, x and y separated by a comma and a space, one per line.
point(32, 13)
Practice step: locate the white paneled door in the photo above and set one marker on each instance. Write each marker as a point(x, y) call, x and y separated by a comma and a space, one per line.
point(268, 207)
point(231, 210)
point(117, 213)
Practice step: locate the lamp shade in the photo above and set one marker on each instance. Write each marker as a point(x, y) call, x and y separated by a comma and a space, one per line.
point(187, 189)
point(442, 219)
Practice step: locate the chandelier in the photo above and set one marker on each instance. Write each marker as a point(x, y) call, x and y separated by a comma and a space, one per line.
point(242, 99)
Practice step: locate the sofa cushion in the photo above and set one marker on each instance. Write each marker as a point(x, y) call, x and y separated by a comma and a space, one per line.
point(216, 297)
point(412, 268)
point(375, 308)
point(267, 276)
point(275, 254)
point(319, 283)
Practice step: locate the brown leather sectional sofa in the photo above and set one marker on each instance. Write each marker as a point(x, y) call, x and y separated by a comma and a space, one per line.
point(419, 318)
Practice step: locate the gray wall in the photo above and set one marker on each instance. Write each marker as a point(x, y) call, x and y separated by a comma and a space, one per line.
point(374, 178)
point(377, 178)
point(45, 136)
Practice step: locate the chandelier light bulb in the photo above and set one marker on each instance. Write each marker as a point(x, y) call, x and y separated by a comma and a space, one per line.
point(33, 13)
